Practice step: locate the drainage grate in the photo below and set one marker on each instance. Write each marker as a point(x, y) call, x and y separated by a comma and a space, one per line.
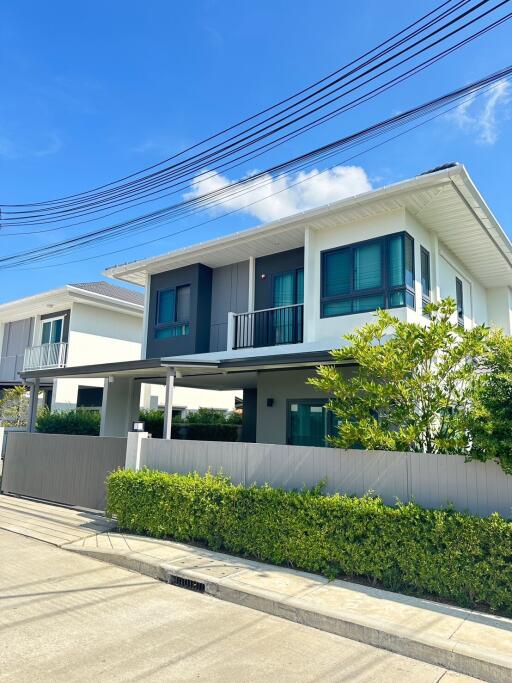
point(190, 585)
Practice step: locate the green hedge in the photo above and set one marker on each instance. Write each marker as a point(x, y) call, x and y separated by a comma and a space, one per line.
point(442, 553)
point(69, 422)
point(189, 429)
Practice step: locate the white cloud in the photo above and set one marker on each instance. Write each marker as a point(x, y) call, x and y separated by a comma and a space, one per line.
point(269, 198)
point(481, 117)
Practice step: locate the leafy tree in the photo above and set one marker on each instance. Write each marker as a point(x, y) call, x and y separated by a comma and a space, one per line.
point(14, 407)
point(412, 385)
point(491, 418)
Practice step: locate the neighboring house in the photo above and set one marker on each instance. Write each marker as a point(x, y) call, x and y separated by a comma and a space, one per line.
point(78, 324)
point(258, 310)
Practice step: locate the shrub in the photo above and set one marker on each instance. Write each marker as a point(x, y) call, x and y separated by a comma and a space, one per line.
point(206, 424)
point(443, 553)
point(69, 422)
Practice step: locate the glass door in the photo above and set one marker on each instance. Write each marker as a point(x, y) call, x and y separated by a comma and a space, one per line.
point(308, 423)
point(51, 333)
point(288, 289)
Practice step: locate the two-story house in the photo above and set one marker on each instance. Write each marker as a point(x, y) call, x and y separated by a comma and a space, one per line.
point(259, 309)
point(78, 324)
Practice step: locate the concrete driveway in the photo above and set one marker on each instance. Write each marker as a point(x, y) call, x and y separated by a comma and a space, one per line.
point(65, 617)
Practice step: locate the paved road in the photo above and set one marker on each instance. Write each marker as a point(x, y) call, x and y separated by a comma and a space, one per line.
point(64, 617)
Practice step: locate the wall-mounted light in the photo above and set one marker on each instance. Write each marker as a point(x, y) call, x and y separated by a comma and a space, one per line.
point(138, 426)
point(263, 276)
point(270, 402)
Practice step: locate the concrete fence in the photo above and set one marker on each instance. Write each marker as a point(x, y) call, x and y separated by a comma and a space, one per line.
point(430, 480)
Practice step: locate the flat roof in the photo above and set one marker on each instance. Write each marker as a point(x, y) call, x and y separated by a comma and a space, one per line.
point(228, 373)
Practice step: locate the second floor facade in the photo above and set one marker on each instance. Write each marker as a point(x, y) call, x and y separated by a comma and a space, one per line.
point(74, 325)
point(306, 280)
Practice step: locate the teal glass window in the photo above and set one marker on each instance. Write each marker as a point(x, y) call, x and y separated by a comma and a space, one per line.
point(368, 275)
point(173, 312)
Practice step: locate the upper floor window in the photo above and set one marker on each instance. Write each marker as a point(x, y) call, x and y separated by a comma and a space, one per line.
point(361, 277)
point(459, 298)
point(51, 331)
point(425, 277)
point(173, 312)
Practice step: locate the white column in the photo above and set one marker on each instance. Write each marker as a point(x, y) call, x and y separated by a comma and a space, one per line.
point(32, 408)
point(147, 288)
point(252, 283)
point(436, 266)
point(231, 332)
point(169, 391)
point(311, 291)
point(133, 450)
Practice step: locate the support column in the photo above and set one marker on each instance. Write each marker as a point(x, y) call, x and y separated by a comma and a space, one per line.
point(169, 391)
point(120, 405)
point(230, 344)
point(436, 269)
point(32, 407)
point(252, 283)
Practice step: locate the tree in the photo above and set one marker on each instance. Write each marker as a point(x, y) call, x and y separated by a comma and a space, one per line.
point(412, 386)
point(491, 418)
point(14, 407)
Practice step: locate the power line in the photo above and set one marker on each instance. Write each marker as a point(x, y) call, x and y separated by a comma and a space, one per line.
point(192, 166)
point(208, 200)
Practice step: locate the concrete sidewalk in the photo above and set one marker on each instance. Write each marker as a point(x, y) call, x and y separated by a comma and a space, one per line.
point(472, 643)
point(469, 642)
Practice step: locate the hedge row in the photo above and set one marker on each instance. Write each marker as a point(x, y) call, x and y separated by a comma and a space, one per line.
point(80, 421)
point(443, 553)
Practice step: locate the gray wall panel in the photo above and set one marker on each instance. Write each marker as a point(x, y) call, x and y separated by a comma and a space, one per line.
point(61, 468)
point(230, 294)
point(17, 336)
point(430, 480)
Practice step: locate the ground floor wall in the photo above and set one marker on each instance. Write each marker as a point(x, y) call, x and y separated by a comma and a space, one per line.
point(277, 389)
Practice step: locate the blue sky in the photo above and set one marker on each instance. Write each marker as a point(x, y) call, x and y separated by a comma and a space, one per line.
point(93, 91)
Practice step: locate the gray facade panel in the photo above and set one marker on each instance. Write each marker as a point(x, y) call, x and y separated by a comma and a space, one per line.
point(199, 277)
point(267, 267)
point(17, 336)
point(230, 294)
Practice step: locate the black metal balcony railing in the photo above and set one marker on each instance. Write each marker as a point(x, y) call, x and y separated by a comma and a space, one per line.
point(269, 327)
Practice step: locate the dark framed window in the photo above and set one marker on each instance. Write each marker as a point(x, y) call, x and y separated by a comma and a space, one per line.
point(459, 298)
point(308, 422)
point(89, 397)
point(377, 273)
point(426, 292)
point(173, 312)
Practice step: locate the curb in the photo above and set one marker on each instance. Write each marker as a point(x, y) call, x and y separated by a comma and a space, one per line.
point(458, 657)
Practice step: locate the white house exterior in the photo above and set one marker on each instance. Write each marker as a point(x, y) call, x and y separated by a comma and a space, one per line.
point(81, 324)
point(258, 310)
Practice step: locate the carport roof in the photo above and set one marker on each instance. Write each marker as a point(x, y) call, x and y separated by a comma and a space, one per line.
point(223, 373)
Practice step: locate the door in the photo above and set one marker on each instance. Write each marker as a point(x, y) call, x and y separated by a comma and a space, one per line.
point(308, 423)
point(287, 290)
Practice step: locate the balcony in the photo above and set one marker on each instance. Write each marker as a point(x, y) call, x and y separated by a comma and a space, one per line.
point(45, 356)
point(268, 327)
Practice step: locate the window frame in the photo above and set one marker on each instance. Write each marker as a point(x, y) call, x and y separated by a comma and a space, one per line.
point(425, 298)
point(460, 309)
point(174, 323)
point(51, 321)
point(385, 290)
point(317, 402)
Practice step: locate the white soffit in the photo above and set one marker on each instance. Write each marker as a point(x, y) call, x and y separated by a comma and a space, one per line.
point(445, 202)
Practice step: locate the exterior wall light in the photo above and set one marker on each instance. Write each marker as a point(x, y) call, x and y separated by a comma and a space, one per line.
point(270, 402)
point(138, 426)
